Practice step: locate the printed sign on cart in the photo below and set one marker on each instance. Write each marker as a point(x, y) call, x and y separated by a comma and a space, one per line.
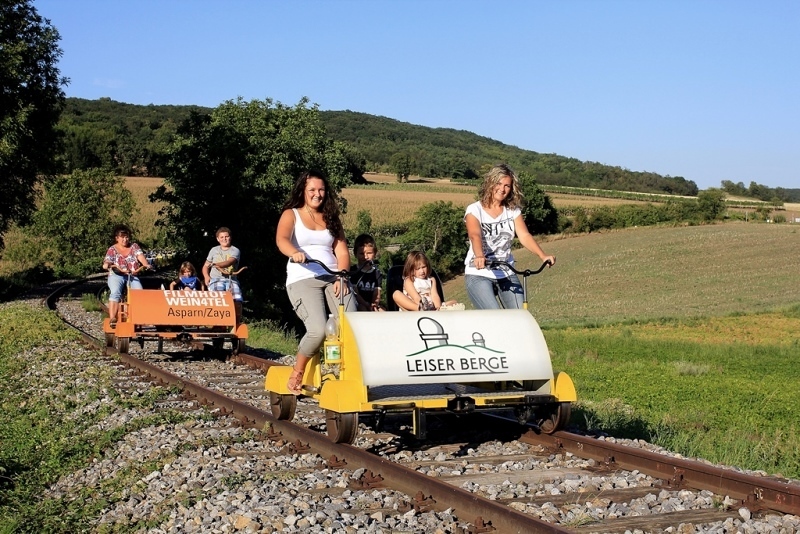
point(436, 347)
point(190, 308)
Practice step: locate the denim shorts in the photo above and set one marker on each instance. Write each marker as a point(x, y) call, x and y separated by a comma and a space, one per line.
point(222, 284)
point(116, 283)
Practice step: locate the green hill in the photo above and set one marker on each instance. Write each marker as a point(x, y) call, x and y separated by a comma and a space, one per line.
point(132, 140)
point(445, 152)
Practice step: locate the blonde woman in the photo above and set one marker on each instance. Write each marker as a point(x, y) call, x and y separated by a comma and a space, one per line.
point(492, 223)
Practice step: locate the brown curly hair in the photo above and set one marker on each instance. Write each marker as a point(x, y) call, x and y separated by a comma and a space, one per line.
point(330, 207)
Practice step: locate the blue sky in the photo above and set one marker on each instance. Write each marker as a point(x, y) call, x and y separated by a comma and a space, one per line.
point(707, 90)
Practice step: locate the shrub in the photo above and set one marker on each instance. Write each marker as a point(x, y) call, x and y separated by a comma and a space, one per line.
point(438, 230)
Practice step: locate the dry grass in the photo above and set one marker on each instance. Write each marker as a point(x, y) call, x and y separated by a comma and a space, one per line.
point(387, 207)
point(146, 212)
point(398, 202)
point(651, 273)
point(561, 200)
point(755, 329)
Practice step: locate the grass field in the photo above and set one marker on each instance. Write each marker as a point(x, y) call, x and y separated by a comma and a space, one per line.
point(660, 272)
point(146, 211)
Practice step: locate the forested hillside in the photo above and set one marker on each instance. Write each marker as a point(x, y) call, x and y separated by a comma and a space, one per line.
point(127, 138)
point(131, 140)
point(444, 152)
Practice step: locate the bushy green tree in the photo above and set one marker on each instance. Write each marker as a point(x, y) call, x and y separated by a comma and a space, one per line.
point(400, 163)
point(235, 167)
point(72, 228)
point(438, 230)
point(538, 212)
point(711, 204)
point(580, 220)
point(363, 222)
point(31, 100)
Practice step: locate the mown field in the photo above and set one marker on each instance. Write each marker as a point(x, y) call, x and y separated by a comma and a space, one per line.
point(386, 200)
point(685, 336)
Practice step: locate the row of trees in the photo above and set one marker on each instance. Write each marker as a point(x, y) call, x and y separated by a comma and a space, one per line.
point(128, 139)
point(709, 206)
point(132, 140)
point(761, 192)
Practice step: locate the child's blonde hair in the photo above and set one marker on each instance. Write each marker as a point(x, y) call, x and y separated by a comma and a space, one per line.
point(187, 265)
point(414, 260)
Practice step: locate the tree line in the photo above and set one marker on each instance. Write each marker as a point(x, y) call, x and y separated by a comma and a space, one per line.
point(132, 140)
point(761, 192)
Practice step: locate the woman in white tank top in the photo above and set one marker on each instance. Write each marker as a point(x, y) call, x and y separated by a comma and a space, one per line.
point(310, 227)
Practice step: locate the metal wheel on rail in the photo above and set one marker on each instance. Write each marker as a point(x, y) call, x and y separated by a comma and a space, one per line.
point(110, 338)
point(282, 406)
point(217, 343)
point(123, 344)
point(342, 427)
point(554, 417)
point(239, 345)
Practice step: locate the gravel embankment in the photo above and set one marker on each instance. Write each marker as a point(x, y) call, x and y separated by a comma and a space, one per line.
point(207, 474)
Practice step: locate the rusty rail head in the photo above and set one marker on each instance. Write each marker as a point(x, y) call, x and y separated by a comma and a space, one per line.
point(754, 492)
point(436, 494)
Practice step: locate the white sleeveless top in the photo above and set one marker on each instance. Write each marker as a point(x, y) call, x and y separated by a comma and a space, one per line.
point(497, 235)
point(315, 244)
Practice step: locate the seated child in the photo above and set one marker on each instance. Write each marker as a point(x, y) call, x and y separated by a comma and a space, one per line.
point(366, 277)
point(187, 278)
point(419, 287)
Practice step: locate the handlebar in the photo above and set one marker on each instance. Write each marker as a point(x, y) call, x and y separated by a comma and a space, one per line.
point(526, 272)
point(141, 268)
point(343, 276)
point(229, 275)
point(342, 273)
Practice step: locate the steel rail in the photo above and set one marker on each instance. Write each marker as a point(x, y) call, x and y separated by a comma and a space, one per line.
point(430, 493)
point(427, 493)
point(756, 493)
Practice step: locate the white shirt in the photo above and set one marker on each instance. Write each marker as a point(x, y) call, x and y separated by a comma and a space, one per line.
point(315, 244)
point(497, 235)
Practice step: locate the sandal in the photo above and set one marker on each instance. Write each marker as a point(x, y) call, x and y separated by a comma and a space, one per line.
point(295, 384)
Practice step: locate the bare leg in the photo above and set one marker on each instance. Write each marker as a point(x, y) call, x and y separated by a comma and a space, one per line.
point(113, 310)
point(296, 378)
point(404, 301)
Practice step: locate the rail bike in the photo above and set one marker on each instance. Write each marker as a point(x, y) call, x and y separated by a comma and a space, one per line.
point(418, 363)
point(185, 316)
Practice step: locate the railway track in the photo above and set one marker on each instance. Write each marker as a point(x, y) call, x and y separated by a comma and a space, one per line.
point(475, 474)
